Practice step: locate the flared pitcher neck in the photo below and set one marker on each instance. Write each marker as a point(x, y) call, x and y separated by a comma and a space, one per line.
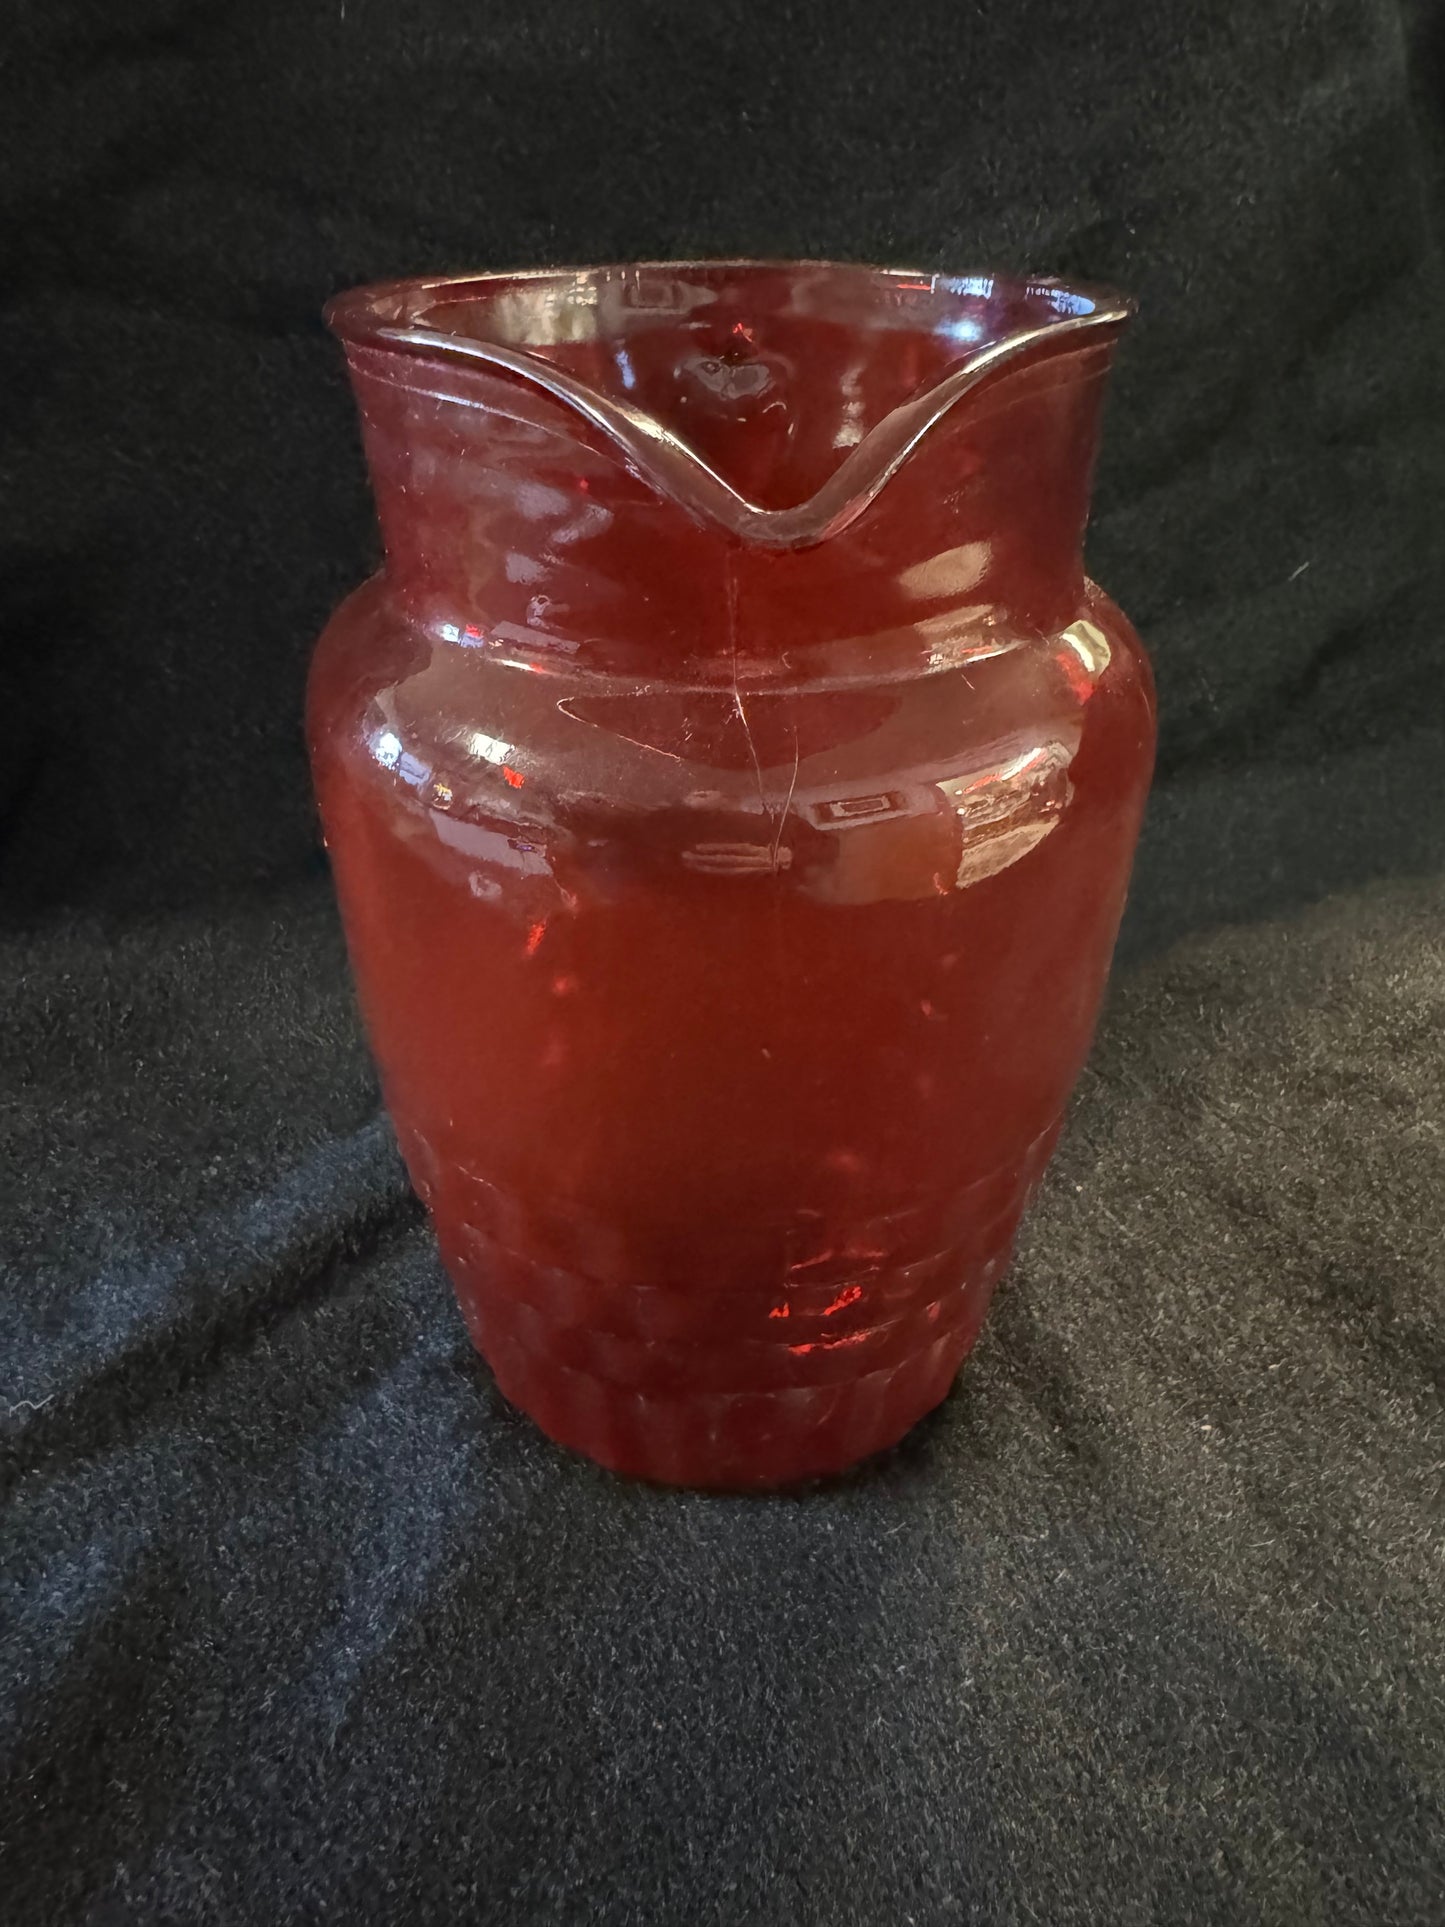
point(645, 419)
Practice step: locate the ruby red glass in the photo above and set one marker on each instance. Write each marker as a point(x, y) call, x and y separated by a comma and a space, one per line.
point(731, 781)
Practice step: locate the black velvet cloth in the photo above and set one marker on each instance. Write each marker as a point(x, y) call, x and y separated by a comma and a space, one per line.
point(300, 1621)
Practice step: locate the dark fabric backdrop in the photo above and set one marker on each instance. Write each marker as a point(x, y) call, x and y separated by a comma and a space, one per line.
point(300, 1621)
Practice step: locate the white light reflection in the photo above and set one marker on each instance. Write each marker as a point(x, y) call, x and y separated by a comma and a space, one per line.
point(1007, 811)
point(1090, 645)
point(490, 748)
point(737, 859)
point(1047, 755)
point(850, 426)
point(590, 520)
point(539, 502)
point(953, 572)
point(963, 328)
point(492, 848)
point(1063, 300)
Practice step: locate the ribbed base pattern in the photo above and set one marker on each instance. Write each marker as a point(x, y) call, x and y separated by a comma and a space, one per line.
point(664, 1367)
point(751, 1410)
point(721, 1388)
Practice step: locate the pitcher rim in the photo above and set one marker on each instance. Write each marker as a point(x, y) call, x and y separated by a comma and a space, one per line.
point(349, 313)
point(1086, 313)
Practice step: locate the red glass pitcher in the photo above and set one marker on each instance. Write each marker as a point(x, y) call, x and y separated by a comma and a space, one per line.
point(731, 781)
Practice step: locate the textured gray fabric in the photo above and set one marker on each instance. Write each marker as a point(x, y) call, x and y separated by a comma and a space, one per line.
point(1142, 1625)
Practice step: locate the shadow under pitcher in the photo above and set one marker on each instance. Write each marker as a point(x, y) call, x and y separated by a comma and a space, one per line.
point(731, 781)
